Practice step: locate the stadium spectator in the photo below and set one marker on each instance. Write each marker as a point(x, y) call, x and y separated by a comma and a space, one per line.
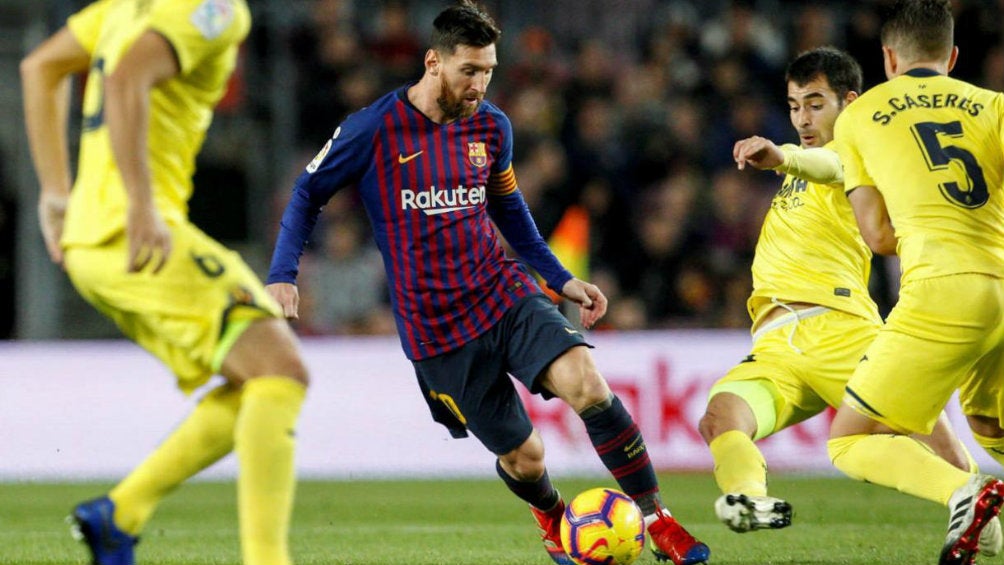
point(733, 220)
point(537, 61)
point(861, 40)
point(391, 44)
point(743, 35)
point(667, 249)
point(812, 25)
point(993, 69)
point(156, 71)
point(687, 129)
point(325, 48)
point(467, 315)
point(936, 172)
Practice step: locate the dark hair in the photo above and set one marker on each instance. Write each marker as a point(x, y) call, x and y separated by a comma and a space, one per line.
point(463, 24)
point(923, 29)
point(841, 71)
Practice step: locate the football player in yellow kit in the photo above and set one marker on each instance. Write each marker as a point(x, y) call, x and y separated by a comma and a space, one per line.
point(156, 69)
point(923, 164)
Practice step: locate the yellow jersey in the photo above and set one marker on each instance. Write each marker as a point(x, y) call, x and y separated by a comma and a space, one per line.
point(205, 36)
point(810, 250)
point(933, 148)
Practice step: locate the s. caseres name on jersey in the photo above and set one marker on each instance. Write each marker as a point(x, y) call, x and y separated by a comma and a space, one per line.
point(437, 201)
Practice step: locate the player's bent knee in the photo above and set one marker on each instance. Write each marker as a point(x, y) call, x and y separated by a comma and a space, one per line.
point(727, 411)
point(594, 390)
point(526, 462)
point(267, 348)
point(985, 426)
point(573, 378)
point(526, 470)
point(580, 386)
point(709, 427)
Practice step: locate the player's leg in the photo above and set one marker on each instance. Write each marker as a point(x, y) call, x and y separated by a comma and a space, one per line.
point(728, 426)
point(266, 359)
point(552, 358)
point(982, 398)
point(877, 454)
point(779, 384)
point(979, 398)
point(988, 433)
point(188, 316)
point(110, 525)
point(467, 389)
point(524, 473)
point(204, 437)
point(901, 386)
point(867, 440)
point(738, 413)
point(946, 444)
point(573, 377)
point(868, 450)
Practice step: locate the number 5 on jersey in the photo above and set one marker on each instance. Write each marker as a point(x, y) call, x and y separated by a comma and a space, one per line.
point(939, 157)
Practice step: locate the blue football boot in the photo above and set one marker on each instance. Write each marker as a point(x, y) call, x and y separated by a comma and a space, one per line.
point(92, 523)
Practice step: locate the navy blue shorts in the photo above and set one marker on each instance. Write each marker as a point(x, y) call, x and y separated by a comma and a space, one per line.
point(469, 388)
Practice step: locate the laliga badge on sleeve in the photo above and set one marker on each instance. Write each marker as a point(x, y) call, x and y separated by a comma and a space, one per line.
point(212, 17)
point(319, 158)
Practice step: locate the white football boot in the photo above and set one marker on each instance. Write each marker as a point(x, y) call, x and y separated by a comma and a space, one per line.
point(743, 513)
point(972, 509)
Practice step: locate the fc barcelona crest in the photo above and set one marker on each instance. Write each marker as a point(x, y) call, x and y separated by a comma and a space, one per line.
point(477, 154)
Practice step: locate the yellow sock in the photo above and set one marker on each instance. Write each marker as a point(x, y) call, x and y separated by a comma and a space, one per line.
point(739, 465)
point(201, 440)
point(265, 442)
point(898, 462)
point(992, 445)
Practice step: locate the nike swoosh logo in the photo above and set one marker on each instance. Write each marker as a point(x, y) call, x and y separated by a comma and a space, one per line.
point(571, 331)
point(402, 159)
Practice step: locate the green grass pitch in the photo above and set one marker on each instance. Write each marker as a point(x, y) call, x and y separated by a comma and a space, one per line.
point(437, 522)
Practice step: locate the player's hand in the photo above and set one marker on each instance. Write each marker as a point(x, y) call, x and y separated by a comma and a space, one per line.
point(288, 297)
point(51, 212)
point(757, 151)
point(592, 303)
point(148, 237)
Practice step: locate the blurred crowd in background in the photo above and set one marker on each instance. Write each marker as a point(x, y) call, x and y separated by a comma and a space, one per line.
point(634, 129)
point(624, 114)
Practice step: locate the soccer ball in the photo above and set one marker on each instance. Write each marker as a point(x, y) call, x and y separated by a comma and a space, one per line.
point(603, 526)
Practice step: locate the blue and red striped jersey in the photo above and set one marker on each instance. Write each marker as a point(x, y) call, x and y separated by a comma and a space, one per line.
point(431, 192)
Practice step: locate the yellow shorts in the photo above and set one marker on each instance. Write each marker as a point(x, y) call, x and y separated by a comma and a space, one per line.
point(945, 333)
point(181, 313)
point(804, 363)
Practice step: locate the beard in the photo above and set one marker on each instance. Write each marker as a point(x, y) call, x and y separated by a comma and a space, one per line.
point(453, 107)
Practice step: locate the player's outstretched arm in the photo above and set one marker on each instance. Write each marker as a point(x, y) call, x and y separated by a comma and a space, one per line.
point(288, 296)
point(758, 152)
point(592, 303)
point(820, 165)
point(45, 92)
